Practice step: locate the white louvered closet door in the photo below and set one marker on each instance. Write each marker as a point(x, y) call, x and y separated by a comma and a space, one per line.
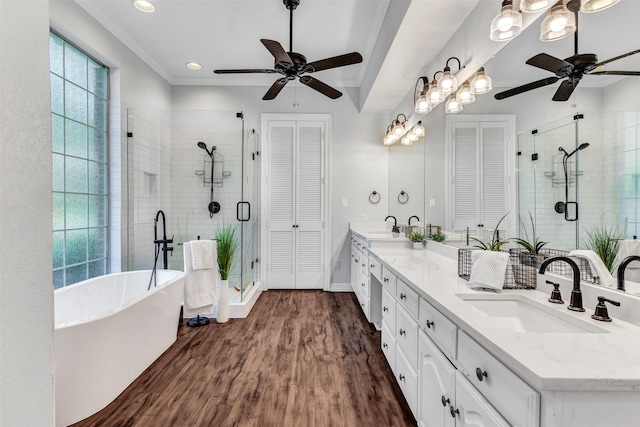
point(296, 194)
point(480, 188)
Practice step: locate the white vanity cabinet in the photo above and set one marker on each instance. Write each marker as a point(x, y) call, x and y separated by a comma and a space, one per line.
point(368, 296)
point(446, 399)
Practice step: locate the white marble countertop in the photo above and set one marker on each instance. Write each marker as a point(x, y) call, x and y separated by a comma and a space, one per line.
point(377, 231)
point(606, 361)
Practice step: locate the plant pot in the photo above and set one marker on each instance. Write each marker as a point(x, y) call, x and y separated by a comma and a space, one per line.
point(417, 245)
point(223, 302)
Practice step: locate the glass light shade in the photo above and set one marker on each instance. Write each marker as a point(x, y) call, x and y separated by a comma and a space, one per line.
point(506, 25)
point(481, 83)
point(588, 6)
point(464, 95)
point(448, 84)
point(398, 128)
point(406, 141)
point(531, 6)
point(452, 106)
point(422, 105)
point(144, 5)
point(434, 95)
point(412, 136)
point(559, 23)
point(418, 129)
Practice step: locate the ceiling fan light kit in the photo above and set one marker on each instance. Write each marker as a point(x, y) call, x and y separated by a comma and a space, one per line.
point(292, 65)
point(507, 24)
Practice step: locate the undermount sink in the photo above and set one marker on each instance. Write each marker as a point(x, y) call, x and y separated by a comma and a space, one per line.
point(522, 314)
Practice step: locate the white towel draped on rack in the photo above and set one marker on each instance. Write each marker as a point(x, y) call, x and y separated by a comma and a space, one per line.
point(200, 286)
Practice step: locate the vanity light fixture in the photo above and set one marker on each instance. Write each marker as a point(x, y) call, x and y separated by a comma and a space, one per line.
point(448, 84)
point(481, 83)
point(398, 126)
point(418, 130)
point(193, 66)
point(144, 5)
point(452, 106)
point(435, 95)
point(465, 95)
point(406, 137)
point(507, 24)
point(420, 101)
point(532, 6)
point(589, 6)
point(406, 140)
point(559, 23)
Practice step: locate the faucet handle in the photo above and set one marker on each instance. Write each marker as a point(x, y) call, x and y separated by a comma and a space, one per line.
point(556, 298)
point(601, 312)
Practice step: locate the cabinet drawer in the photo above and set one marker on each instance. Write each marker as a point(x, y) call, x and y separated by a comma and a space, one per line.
point(388, 280)
point(364, 287)
point(511, 396)
point(388, 345)
point(408, 298)
point(439, 328)
point(375, 267)
point(472, 407)
point(363, 301)
point(407, 378)
point(407, 335)
point(388, 309)
point(364, 263)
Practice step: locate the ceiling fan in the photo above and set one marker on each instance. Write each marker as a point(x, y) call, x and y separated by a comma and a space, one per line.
point(293, 64)
point(572, 69)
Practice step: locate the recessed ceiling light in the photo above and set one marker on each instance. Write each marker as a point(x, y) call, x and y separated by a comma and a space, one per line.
point(193, 65)
point(144, 5)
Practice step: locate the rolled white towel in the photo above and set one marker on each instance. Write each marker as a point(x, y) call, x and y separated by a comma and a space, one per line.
point(488, 269)
point(200, 286)
point(597, 267)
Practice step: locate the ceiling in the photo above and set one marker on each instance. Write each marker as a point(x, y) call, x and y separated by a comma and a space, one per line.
point(390, 35)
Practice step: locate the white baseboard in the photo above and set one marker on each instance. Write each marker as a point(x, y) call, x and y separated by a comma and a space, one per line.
point(340, 287)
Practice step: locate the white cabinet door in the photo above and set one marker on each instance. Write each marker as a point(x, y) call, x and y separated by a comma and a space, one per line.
point(295, 205)
point(473, 410)
point(436, 386)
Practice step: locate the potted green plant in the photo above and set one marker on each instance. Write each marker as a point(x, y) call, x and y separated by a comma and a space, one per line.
point(416, 237)
point(227, 246)
point(438, 236)
point(532, 247)
point(605, 243)
point(496, 242)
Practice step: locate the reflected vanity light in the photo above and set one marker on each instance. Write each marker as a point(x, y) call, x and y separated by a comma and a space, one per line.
point(407, 137)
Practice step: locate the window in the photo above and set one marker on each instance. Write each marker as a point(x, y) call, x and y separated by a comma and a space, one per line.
point(80, 171)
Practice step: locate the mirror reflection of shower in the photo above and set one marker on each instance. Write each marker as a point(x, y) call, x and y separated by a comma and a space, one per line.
point(563, 207)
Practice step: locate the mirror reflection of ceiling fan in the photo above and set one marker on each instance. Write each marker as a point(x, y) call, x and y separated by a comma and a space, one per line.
point(294, 65)
point(572, 69)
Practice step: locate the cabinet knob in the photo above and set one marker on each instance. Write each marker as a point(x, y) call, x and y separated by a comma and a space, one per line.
point(402, 332)
point(384, 345)
point(385, 309)
point(372, 265)
point(403, 296)
point(453, 411)
point(401, 377)
point(429, 324)
point(357, 260)
point(363, 285)
point(386, 279)
point(481, 374)
point(444, 400)
point(364, 265)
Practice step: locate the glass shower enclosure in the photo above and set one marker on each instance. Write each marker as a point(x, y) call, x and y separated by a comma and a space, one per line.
point(183, 163)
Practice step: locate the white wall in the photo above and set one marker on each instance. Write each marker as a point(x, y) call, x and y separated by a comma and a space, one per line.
point(26, 288)
point(359, 163)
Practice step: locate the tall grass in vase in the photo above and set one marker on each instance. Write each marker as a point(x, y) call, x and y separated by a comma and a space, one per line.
point(227, 247)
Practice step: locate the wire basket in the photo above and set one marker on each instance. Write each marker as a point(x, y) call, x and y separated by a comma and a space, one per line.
point(520, 273)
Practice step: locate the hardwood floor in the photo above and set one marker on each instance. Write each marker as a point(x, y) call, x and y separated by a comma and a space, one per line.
point(301, 358)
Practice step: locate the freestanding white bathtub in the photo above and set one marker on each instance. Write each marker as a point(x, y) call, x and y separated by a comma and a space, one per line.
point(108, 331)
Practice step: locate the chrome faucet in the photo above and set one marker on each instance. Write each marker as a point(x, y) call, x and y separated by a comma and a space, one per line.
point(623, 266)
point(413, 216)
point(575, 303)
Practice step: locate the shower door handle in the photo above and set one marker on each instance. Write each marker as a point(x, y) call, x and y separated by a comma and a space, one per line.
point(238, 211)
point(566, 211)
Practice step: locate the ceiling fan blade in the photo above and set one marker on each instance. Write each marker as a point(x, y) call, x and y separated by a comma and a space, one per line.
point(615, 58)
point(565, 90)
point(616, 73)
point(275, 89)
point(247, 70)
point(321, 87)
point(525, 88)
point(336, 61)
point(277, 51)
point(548, 62)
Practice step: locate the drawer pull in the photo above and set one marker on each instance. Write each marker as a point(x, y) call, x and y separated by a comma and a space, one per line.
point(363, 285)
point(364, 265)
point(481, 374)
point(401, 377)
point(384, 345)
point(357, 260)
point(372, 265)
point(403, 296)
point(445, 401)
point(430, 324)
point(385, 309)
point(402, 332)
point(386, 279)
point(453, 411)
